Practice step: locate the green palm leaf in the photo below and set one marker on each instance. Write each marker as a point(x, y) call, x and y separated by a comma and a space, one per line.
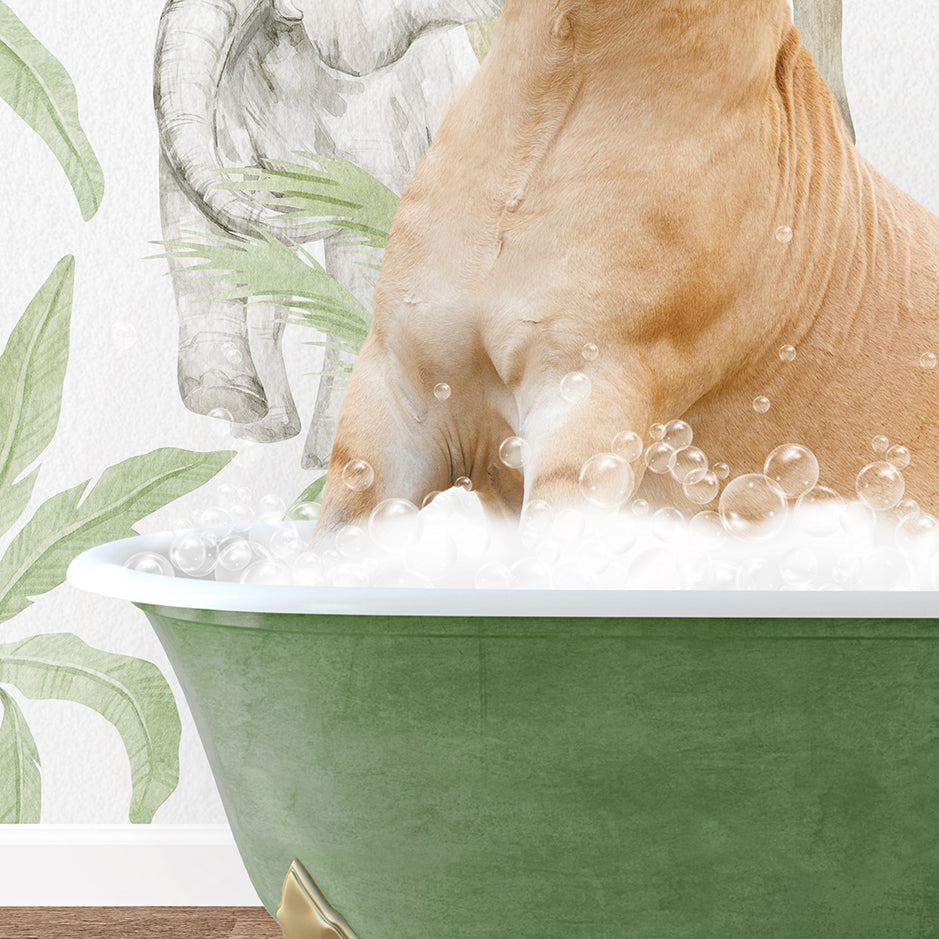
point(20, 779)
point(313, 493)
point(265, 269)
point(34, 83)
point(128, 692)
point(76, 519)
point(32, 370)
point(338, 191)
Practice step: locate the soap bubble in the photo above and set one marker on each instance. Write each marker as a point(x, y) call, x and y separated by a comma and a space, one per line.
point(690, 464)
point(193, 554)
point(149, 562)
point(668, 524)
point(358, 475)
point(241, 514)
point(272, 505)
point(568, 525)
point(530, 573)
point(628, 445)
point(494, 576)
point(442, 391)
point(761, 404)
point(394, 524)
point(818, 511)
point(657, 569)
point(899, 457)
point(784, 234)
point(514, 452)
point(907, 508)
point(235, 554)
point(589, 351)
point(752, 507)
point(576, 387)
point(701, 489)
point(707, 527)
point(463, 482)
point(678, 435)
point(226, 495)
point(266, 572)
point(308, 569)
point(916, 529)
point(606, 480)
point(721, 470)
point(793, 468)
point(787, 353)
point(304, 512)
point(927, 360)
point(880, 485)
point(659, 457)
point(433, 555)
point(285, 542)
point(883, 569)
point(429, 498)
point(656, 431)
point(233, 354)
point(217, 519)
point(880, 443)
point(857, 518)
point(639, 507)
point(349, 575)
point(537, 516)
point(799, 567)
point(759, 574)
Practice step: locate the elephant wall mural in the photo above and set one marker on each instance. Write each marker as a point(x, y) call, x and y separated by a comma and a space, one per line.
point(242, 83)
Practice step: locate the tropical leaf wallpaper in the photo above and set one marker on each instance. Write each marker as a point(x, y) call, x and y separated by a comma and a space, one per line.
point(178, 316)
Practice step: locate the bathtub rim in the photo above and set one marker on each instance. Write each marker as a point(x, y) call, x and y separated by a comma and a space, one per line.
point(100, 571)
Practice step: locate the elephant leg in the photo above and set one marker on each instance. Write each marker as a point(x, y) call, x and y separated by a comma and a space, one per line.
point(265, 336)
point(819, 25)
point(215, 367)
point(344, 263)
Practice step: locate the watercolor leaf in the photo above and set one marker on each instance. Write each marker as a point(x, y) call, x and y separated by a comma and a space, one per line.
point(130, 693)
point(82, 517)
point(32, 370)
point(324, 188)
point(266, 269)
point(20, 778)
point(312, 494)
point(480, 35)
point(35, 84)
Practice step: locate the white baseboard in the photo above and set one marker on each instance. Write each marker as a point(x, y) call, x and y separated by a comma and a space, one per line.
point(122, 865)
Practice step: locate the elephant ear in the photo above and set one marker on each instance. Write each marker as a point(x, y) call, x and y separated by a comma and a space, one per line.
point(34, 83)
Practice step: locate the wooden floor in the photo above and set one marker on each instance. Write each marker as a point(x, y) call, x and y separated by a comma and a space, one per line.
point(131, 922)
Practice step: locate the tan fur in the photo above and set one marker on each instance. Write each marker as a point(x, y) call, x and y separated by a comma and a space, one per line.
point(616, 174)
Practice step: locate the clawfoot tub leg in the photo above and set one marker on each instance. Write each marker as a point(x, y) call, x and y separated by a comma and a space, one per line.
point(304, 912)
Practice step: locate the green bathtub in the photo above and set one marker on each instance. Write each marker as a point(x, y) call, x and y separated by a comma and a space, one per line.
point(539, 765)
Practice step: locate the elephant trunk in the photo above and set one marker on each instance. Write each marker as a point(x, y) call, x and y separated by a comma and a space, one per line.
point(194, 42)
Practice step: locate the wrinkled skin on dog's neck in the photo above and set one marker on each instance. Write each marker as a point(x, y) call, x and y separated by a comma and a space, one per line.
point(616, 174)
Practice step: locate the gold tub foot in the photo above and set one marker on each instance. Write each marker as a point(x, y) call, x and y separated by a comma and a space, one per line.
point(304, 913)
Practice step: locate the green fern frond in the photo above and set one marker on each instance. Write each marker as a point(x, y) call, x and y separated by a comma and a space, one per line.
point(340, 192)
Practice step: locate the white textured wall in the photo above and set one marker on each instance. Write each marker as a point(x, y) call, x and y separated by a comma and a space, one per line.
point(120, 402)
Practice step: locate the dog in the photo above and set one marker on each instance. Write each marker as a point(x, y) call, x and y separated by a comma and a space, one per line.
point(670, 181)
